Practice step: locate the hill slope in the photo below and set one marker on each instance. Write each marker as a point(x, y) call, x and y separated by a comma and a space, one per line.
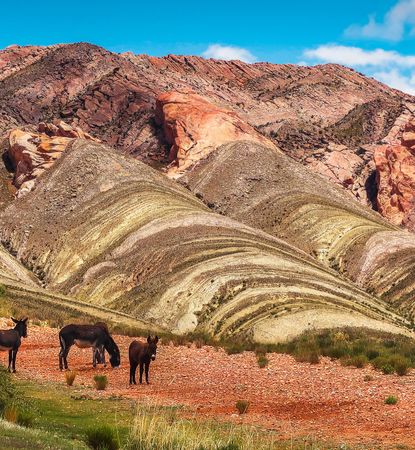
point(111, 231)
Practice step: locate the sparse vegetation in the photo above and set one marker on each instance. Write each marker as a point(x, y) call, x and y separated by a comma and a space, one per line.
point(101, 382)
point(70, 376)
point(242, 406)
point(102, 437)
point(162, 429)
point(262, 361)
point(355, 347)
point(391, 400)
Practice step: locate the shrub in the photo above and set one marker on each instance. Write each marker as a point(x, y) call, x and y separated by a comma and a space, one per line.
point(387, 369)
point(25, 418)
point(234, 348)
point(8, 391)
point(101, 382)
point(368, 378)
point(391, 400)
point(242, 406)
point(310, 356)
point(70, 377)
point(401, 364)
point(262, 361)
point(2, 290)
point(10, 413)
point(358, 361)
point(102, 438)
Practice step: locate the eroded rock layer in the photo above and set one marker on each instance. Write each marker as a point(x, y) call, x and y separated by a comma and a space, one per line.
point(31, 153)
point(194, 128)
point(268, 190)
point(395, 170)
point(327, 117)
point(114, 232)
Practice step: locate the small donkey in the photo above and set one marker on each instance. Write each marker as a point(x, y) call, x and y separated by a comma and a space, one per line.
point(142, 354)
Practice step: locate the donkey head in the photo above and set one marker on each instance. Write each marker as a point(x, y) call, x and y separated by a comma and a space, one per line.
point(114, 352)
point(21, 326)
point(152, 347)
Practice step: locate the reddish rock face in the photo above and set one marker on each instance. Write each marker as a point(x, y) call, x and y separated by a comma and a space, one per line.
point(395, 168)
point(194, 128)
point(33, 153)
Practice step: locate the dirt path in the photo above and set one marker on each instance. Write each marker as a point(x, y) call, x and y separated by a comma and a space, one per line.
point(297, 399)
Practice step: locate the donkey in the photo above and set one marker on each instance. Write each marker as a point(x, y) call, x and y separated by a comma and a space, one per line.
point(84, 336)
point(10, 341)
point(142, 354)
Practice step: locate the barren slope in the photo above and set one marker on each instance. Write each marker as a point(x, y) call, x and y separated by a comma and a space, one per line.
point(111, 231)
point(268, 190)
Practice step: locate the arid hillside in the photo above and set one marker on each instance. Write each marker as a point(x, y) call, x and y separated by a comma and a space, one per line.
point(328, 117)
point(113, 232)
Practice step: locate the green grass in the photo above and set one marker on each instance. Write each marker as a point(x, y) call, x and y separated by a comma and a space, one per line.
point(70, 413)
point(391, 400)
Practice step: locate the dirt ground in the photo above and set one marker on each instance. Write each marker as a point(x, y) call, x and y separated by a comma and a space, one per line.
point(325, 401)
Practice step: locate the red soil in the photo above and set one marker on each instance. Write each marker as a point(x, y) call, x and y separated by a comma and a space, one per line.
point(296, 399)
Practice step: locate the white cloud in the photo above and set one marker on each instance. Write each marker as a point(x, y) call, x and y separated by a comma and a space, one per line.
point(356, 56)
point(390, 67)
point(394, 78)
point(228, 52)
point(393, 25)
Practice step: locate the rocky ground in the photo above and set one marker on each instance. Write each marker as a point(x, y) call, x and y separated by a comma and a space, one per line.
point(324, 401)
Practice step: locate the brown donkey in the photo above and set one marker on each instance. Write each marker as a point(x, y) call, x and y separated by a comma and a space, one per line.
point(141, 354)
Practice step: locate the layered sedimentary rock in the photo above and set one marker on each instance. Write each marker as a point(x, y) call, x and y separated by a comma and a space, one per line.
point(395, 170)
point(327, 117)
point(31, 153)
point(268, 190)
point(109, 230)
point(194, 128)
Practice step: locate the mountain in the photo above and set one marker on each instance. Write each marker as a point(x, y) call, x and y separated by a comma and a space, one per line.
point(111, 231)
point(198, 195)
point(329, 118)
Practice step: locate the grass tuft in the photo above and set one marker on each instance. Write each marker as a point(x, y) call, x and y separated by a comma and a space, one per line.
point(101, 382)
point(242, 406)
point(102, 438)
point(70, 376)
point(391, 400)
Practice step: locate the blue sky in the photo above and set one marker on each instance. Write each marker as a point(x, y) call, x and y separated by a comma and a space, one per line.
point(376, 37)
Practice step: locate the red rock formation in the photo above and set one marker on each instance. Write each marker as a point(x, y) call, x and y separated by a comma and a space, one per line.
point(305, 111)
point(395, 166)
point(33, 153)
point(194, 128)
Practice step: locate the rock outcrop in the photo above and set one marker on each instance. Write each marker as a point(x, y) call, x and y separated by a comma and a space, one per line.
point(194, 127)
point(31, 153)
point(327, 117)
point(395, 169)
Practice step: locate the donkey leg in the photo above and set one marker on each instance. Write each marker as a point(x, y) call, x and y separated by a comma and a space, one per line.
point(14, 359)
point(94, 357)
point(141, 372)
point(64, 357)
point(133, 369)
point(10, 360)
point(103, 357)
point(147, 367)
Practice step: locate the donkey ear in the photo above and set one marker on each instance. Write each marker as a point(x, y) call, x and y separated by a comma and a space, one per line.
point(149, 339)
point(14, 320)
point(156, 339)
point(25, 320)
